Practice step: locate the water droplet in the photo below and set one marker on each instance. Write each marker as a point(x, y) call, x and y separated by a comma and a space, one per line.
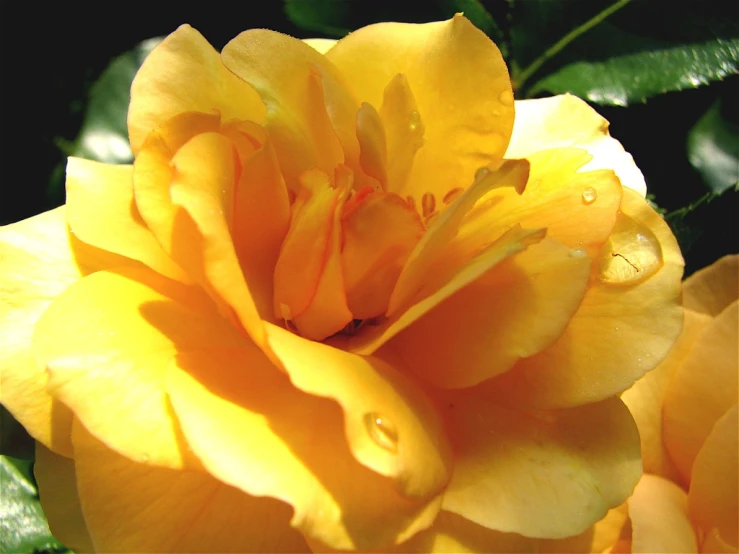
point(630, 255)
point(428, 204)
point(578, 253)
point(382, 431)
point(414, 120)
point(481, 173)
point(589, 195)
point(506, 97)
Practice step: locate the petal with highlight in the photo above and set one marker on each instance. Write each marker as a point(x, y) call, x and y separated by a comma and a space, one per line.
point(107, 342)
point(566, 121)
point(184, 179)
point(391, 425)
point(311, 116)
point(238, 411)
point(626, 327)
point(185, 74)
point(102, 213)
point(39, 259)
point(514, 310)
point(133, 507)
point(447, 65)
point(539, 474)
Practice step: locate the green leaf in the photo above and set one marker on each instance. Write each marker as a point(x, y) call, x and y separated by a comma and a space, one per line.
point(23, 527)
point(713, 149)
point(104, 135)
point(643, 49)
point(323, 16)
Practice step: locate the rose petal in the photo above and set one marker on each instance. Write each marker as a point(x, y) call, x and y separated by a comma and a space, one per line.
point(311, 116)
point(539, 474)
point(185, 74)
point(713, 499)
point(132, 507)
point(254, 430)
point(566, 121)
point(452, 533)
point(447, 65)
point(320, 45)
point(107, 342)
point(628, 327)
point(646, 399)
point(713, 288)
point(57, 484)
point(578, 209)
point(184, 179)
point(514, 310)
point(102, 213)
point(659, 517)
point(391, 426)
point(39, 259)
point(705, 385)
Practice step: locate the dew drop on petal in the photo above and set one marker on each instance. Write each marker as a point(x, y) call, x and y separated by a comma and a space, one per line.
point(481, 173)
point(589, 194)
point(631, 254)
point(578, 253)
point(506, 98)
point(414, 120)
point(382, 431)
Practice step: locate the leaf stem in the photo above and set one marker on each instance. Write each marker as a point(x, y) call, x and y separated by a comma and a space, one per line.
point(553, 50)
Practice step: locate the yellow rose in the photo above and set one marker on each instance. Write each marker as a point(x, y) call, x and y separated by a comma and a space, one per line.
point(687, 414)
point(321, 310)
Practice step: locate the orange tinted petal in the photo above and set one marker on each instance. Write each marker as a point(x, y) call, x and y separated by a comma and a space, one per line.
point(261, 212)
point(107, 342)
point(57, 484)
point(713, 288)
point(514, 310)
point(714, 492)
point(705, 385)
point(566, 121)
point(447, 65)
point(646, 399)
point(379, 232)
point(540, 474)
point(101, 212)
point(185, 74)
point(311, 116)
point(629, 326)
point(254, 430)
point(391, 426)
point(132, 507)
point(659, 518)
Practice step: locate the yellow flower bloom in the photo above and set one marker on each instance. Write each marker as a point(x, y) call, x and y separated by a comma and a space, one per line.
point(688, 418)
point(340, 300)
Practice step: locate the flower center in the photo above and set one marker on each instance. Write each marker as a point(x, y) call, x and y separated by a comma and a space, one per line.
point(342, 255)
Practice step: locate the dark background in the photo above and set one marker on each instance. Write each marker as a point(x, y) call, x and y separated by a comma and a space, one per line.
point(51, 53)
